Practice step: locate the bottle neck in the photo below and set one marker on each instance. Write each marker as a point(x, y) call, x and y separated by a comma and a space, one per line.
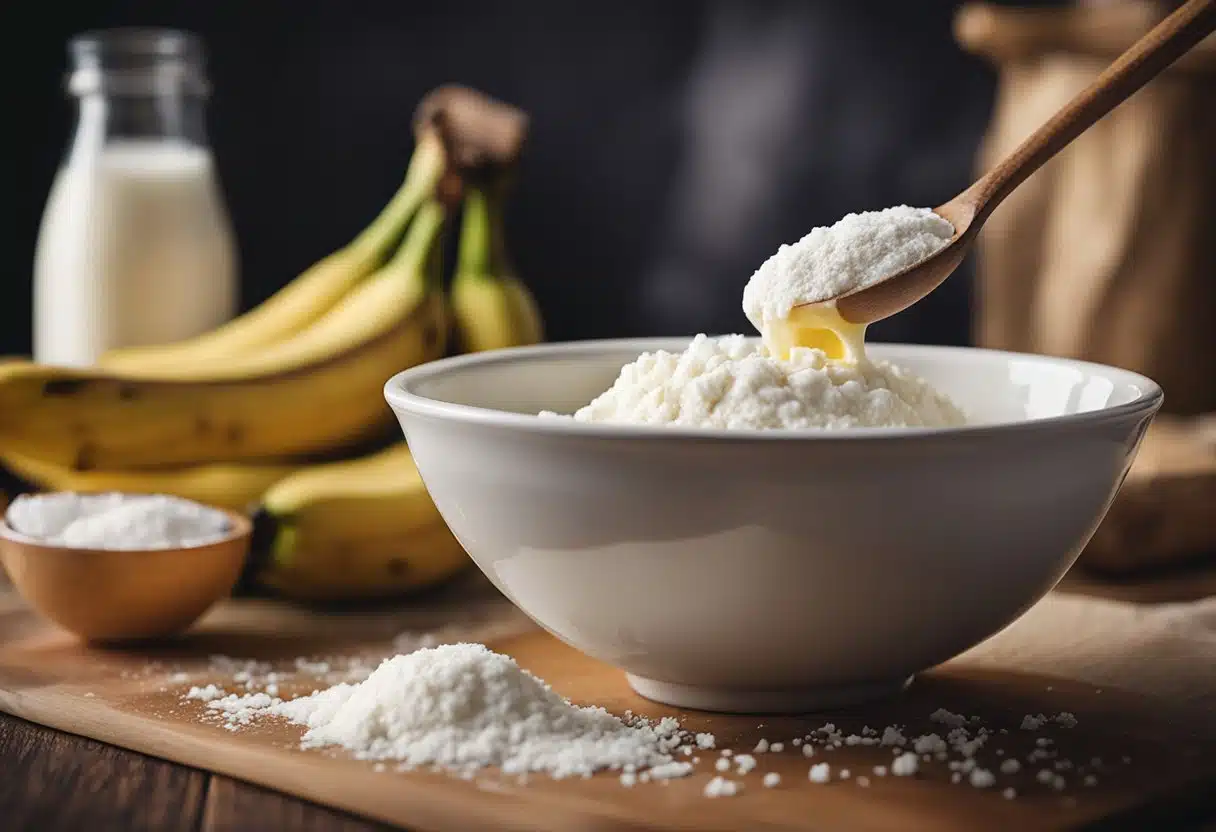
point(164, 117)
point(144, 85)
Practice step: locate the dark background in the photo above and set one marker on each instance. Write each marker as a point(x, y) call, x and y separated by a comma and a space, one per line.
point(674, 145)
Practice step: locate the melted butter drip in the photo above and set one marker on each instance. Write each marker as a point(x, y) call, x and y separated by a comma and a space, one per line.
point(817, 326)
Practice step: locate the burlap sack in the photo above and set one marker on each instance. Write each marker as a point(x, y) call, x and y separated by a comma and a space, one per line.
point(1108, 253)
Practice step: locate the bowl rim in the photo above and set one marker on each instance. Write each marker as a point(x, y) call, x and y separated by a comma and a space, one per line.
point(240, 527)
point(401, 396)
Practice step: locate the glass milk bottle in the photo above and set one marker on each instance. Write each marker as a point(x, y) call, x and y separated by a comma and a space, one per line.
point(135, 245)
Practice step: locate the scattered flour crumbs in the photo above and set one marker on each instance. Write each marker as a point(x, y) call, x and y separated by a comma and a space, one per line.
point(462, 708)
point(732, 382)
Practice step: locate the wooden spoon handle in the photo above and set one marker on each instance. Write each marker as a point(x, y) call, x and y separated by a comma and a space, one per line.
point(1159, 48)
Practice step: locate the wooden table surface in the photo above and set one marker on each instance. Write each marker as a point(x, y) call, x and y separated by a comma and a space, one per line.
point(54, 781)
point(51, 781)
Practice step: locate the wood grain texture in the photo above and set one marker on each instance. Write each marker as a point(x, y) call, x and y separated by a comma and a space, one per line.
point(96, 786)
point(233, 806)
point(1179, 583)
point(55, 781)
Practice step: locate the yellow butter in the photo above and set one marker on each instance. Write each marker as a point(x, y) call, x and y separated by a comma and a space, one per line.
point(815, 326)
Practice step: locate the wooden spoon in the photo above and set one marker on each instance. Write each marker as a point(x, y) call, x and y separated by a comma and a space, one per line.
point(1159, 48)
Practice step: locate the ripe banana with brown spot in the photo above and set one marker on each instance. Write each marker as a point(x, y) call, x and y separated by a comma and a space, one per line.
point(356, 529)
point(319, 390)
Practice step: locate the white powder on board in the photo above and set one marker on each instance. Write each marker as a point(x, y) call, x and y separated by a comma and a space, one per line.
point(731, 382)
point(928, 744)
point(721, 787)
point(981, 778)
point(949, 718)
point(463, 707)
point(905, 765)
point(857, 251)
point(209, 693)
point(116, 521)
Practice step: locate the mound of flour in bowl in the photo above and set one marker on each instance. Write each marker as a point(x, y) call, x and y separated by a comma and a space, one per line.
point(463, 707)
point(731, 382)
point(116, 521)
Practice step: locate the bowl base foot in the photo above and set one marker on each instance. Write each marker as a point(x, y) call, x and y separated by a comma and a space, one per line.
point(786, 701)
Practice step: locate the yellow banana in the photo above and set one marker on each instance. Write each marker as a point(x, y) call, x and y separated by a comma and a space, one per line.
point(530, 325)
point(356, 529)
point(308, 297)
point(312, 393)
point(491, 307)
point(232, 486)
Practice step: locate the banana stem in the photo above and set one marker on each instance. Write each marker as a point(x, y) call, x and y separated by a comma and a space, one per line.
point(473, 254)
point(419, 250)
point(483, 249)
point(426, 169)
point(434, 267)
point(499, 260)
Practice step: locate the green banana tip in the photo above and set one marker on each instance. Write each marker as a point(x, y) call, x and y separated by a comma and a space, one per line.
point(422, 238)
point(475, 249)
point(428, 168)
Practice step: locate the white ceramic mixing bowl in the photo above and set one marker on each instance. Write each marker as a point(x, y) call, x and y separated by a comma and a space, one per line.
point(772, 571)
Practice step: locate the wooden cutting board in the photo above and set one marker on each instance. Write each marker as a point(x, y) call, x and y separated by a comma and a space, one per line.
point(132, 698)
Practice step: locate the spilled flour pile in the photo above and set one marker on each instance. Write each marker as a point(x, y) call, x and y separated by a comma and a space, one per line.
point(460, 707)
point(463, 707)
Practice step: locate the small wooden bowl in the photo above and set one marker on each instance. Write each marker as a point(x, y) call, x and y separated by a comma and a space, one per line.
point(108, 595)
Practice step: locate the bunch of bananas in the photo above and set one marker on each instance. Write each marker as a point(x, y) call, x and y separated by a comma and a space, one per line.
point(275, 411)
